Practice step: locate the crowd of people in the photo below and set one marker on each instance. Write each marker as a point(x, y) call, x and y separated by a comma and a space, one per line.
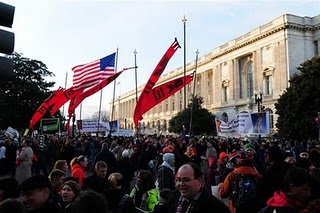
point(158, 174)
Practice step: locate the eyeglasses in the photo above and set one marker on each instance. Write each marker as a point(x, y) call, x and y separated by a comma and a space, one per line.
point(183, 180)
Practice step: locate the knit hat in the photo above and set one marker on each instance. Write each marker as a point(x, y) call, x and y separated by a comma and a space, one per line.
point(36, 182)
point(246, 156)
point(74, 186)
point(303, 163)
point(168, 149)
point(249, 146)
point(234, 155)
point(304, 155)
point(233, 160)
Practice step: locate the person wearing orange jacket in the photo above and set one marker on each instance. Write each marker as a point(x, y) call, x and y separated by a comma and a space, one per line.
point(78, 169)
point(245, 166)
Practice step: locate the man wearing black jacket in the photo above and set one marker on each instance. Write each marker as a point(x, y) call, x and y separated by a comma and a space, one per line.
point(98, 181)
point(192, 196)
point(38, 196)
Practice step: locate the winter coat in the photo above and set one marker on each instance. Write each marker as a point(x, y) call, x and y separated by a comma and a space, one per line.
point(165, 178)
point(282, 204)
point(78, 172)
point(228, 186)
point(206, 203)
point(126, 169)
point(118, 202)
point(149, 199)
point(95, 183)
point(269, 183)
point(51, 206)
point(23, 170)
point(108, 157)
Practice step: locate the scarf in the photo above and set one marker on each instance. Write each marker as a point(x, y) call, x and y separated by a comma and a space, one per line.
point(187, 206)
point(166, 164)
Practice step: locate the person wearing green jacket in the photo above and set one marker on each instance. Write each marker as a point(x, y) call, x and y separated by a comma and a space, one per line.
point(144, 194)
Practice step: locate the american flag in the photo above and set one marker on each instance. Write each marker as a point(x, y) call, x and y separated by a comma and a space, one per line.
point(87, 75)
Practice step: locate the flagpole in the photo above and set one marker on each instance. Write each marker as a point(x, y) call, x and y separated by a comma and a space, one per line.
point(194, 92)
point(80, 116)
point(135, 72)
point(184, 20)
point(80, 111)
point(65, 86)
point(99, 112)
point(114, 89)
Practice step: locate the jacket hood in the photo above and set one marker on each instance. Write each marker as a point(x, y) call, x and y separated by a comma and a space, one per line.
point(280, 199)
point(222, 155)
point(246, 170)
point(168, 157)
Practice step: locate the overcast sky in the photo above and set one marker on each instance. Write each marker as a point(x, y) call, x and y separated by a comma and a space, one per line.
point(63, 34)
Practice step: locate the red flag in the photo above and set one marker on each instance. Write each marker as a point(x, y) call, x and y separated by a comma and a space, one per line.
point(87, 75)
point(162, 92)
point(153, 79)
point(78, 99)
point(44, 107)
point(63, 98)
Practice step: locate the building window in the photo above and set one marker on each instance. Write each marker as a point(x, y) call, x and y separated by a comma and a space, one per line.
point(224, 117)
point(250, 80)
point(268, 85)
point(224, 94)
point(173, 107)
point(271, 121)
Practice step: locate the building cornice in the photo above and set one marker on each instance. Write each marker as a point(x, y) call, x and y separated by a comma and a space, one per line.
point(282, 27)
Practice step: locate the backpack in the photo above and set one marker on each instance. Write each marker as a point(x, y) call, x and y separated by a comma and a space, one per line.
point(121, 204)
point(244, 193)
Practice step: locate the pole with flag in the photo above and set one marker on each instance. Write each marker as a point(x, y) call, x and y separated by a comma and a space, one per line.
point(87, 77)
point(194, 92)
point(184, 20)
point(99, 112)
point(136, 79)
point(114, 91)
point(65, 86)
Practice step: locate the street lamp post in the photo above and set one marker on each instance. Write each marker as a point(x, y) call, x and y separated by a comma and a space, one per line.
point(258, 100)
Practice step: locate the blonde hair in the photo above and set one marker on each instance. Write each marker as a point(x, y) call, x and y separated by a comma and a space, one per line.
point(115, 180)
point(60, 164)
point(73, 161)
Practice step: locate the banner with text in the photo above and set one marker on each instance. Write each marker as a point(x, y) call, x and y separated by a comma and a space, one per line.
point(251, 124)
point(91, 125)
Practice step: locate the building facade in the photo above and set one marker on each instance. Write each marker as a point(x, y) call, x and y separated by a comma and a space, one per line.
point(260, 61)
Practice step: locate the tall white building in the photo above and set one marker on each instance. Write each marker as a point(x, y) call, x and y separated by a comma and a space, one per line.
point(260, 61)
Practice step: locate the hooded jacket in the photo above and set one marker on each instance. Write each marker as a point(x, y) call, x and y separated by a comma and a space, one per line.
point(166, 173)
point(281, 201)
point(227, 187)
point(78, 172)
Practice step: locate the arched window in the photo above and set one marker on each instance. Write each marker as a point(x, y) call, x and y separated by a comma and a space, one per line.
point(250, 79)
point(246, 76)
point(224, 117)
